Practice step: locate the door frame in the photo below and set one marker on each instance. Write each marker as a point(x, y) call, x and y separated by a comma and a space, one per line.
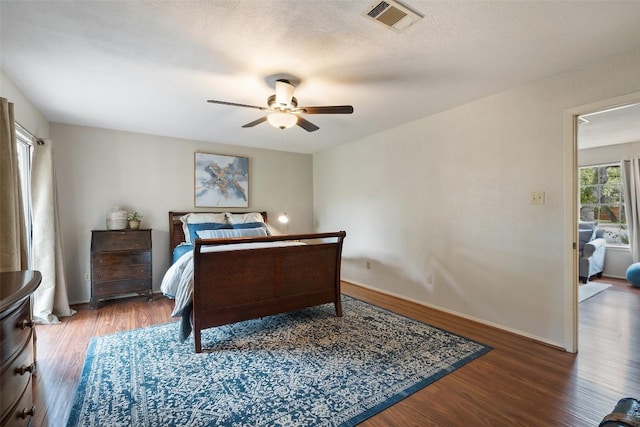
point(571, 210)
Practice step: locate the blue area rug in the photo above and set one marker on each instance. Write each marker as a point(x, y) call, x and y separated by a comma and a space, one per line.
point(307, 368)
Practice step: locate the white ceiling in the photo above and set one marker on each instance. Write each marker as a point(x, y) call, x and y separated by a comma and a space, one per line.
point(150, 66)
point(615, 125)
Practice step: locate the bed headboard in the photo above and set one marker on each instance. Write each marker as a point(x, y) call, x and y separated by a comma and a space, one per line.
point(176, 234)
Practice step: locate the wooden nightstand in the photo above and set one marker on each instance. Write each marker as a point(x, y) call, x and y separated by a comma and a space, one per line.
point(120, 264)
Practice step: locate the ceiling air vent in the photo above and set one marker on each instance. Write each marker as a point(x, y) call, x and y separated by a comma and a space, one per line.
point(392, 15)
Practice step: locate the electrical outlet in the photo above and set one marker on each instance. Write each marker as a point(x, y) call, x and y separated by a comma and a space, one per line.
point(536, 198)
point(429, 279)
point(86, 277)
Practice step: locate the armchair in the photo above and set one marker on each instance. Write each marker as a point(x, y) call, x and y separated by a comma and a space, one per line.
point(592, 251)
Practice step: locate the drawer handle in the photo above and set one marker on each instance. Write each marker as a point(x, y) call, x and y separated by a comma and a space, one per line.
point(24, 369)
point(27, 324)
point(27, 412)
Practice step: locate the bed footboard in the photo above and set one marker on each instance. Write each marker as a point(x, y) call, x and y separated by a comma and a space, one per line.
point(235, 285)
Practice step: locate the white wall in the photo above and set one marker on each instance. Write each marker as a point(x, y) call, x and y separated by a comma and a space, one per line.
point(98, 169)
point(447, 197)
point(24, 111)
point(608, 153)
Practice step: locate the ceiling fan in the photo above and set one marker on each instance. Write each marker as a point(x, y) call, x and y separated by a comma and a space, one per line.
point(283, 110)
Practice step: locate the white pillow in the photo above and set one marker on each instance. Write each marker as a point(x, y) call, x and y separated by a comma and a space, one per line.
point(244, 218)
point(226, 233)
point(200, 218)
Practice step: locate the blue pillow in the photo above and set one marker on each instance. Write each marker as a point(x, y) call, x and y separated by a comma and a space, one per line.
point(252, 225)
point(584, 237)
point(194, 228)
point(180, 250)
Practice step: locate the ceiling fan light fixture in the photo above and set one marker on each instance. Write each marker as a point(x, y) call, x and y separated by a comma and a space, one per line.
point(284, 92)
point(283, 111)
point(282, 120)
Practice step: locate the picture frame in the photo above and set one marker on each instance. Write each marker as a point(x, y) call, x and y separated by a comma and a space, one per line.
point(221, 181)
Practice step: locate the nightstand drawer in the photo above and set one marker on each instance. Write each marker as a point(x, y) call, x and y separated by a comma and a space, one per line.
point(121, 240)
point(109, 289)
point(104, 274)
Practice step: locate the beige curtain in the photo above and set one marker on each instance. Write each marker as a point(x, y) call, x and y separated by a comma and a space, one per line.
point(13, 235)
point(50, 299)
point(631, 187)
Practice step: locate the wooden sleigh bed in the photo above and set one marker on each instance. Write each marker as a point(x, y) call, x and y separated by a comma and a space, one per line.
point(242, 284)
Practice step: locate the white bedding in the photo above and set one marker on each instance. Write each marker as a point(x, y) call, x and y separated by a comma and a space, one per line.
point(177, 282)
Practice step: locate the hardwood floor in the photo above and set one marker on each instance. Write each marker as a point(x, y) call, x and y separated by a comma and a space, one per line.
point(519, 383)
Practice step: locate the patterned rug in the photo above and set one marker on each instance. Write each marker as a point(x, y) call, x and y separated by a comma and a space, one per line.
point(306, 368)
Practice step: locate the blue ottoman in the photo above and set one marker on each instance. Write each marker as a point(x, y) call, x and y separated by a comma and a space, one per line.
point(633, 274)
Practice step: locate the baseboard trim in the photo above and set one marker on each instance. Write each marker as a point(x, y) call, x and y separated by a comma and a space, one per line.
point(124, 296)
point(535, 338)
point(613, 276)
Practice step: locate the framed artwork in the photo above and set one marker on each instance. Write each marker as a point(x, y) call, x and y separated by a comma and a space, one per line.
point(221, 181)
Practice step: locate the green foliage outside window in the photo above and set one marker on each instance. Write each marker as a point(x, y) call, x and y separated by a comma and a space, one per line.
point(602, 201)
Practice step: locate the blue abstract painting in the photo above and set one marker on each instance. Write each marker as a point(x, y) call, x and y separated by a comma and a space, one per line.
point(221, 181)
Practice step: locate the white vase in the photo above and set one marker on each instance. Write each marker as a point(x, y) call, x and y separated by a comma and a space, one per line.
point(117, 219)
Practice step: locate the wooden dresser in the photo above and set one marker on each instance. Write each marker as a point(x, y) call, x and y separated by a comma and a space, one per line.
point(17, 352)
point(120, 264)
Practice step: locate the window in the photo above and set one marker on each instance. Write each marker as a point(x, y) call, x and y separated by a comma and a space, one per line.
point(25, 148)
point(602, 201)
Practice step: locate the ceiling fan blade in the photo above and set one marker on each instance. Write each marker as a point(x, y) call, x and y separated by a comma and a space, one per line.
point(306, 125)
point(255, 122)
point(329, 109)
point(213, 101)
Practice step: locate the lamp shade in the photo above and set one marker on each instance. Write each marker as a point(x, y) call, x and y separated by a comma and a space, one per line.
point(282, 120)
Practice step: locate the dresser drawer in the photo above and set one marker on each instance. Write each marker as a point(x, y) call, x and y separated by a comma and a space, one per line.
point(121, 240)
point(22, 413)
point(107, 289)
point(124, 272)
point(15, 331)
point(15, 377)
point(16, 347)
point(112, 259)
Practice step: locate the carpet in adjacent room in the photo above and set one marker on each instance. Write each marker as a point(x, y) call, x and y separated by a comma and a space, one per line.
point(303, 368)
point(589, 289)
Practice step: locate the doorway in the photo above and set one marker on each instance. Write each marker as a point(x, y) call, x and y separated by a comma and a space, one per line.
point(606, 138)
point(602, 133)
